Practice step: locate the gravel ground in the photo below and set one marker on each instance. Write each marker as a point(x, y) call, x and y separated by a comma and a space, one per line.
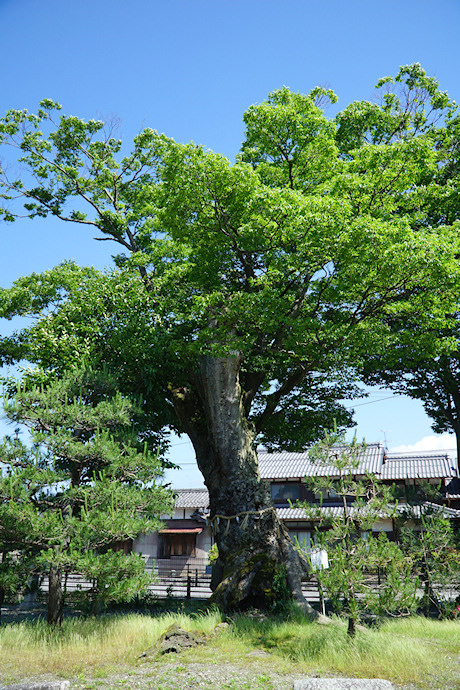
point(172, 675)
point(175, 675)
point(219, 676)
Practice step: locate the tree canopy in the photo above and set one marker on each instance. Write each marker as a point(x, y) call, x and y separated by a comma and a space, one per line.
point(250, 292)
point(291, 256)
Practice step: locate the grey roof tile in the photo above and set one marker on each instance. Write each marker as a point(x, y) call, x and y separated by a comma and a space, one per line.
point(292, 466)
point(417, 467)
point(429, 507)
point(192, 498)
point(337, 511)
point(291, 513)
point(198, 498)
point(298, 465)
point(332, 511)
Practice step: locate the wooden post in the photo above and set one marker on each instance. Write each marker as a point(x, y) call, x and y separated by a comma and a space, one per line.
point(321, 598)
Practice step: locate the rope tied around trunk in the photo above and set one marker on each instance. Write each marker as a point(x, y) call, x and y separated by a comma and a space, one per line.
point(215, 521)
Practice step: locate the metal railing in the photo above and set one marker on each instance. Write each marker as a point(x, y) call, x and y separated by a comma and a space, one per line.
point(189, 578)
point(181, 577)
point(180, 566)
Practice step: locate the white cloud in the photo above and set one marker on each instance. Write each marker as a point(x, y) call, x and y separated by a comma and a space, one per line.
point(444, 442)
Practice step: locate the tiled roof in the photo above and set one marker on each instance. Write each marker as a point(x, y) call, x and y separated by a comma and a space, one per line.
point(337, 511)
point(301, 514)
point(198, 498)
point(429, 507)
point(291, 513)
point(417, 467)
point(192, 498)
point(298, 465)
point(292, 466)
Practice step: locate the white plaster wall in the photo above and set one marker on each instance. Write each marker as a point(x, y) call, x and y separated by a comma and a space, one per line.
point(383, 526)
point(146, 545)
point(203, 543)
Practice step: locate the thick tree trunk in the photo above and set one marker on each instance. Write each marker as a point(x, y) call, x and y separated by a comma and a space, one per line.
point(253, 544)
point(55, 596)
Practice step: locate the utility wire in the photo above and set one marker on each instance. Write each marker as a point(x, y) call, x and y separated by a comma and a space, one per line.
point(371, 402)
point(348, 407)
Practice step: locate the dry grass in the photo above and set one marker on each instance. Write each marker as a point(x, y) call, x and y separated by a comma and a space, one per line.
point(412, 650)
point(418, 651)
point(84, 645)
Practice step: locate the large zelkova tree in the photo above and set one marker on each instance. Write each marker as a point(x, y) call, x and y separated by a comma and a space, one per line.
point(256, 282)
point(81, 485)
point(424, 364)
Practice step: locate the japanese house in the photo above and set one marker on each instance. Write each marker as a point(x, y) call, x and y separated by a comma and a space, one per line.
point(187, 537)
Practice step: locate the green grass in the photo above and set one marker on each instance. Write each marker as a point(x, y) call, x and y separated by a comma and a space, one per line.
point(408, 650)
point(413, 650)
point(88, 644)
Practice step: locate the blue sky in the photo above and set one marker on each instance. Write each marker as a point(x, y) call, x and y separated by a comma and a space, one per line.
point(190, 68)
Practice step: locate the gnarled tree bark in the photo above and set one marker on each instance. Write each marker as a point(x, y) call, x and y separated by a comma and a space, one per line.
point(253, 544)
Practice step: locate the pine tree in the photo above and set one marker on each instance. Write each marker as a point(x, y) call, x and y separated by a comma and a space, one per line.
point(427, 534)
point(355, 555)
point(80, 485)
